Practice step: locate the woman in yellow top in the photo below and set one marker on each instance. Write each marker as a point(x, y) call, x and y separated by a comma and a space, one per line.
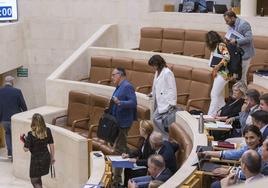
point(221, 73)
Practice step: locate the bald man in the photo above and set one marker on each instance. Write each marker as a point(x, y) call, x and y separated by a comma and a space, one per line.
point(251, 164)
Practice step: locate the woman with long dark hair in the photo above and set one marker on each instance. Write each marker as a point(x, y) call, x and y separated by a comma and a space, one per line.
point(164, 91)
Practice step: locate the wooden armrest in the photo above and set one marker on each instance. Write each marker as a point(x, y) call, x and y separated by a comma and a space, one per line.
point(138, 88)
point(195, 100)
point(156, 50)
point(198, 55)
point(183, 95)
point(135, 48)
point(134, 137)
point(177, 52)
point(256, 65)
point(77, 121)
point(56, 118)
point(108, 81)
point(225, 161)
point(84, 79)
point(91, 128)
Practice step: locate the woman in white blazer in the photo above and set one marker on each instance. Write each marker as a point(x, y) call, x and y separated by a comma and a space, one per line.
point(164, 91)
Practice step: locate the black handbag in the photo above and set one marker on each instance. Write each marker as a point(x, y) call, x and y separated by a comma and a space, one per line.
point(108, 127)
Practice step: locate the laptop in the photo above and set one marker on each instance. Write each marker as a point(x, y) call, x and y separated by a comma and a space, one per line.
point(220, 8)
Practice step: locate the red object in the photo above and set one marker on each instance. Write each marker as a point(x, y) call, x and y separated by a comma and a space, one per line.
point(22, 138)
point(226, 145)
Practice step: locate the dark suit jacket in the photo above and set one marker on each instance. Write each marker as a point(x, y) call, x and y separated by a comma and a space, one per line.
point(164, 176)
point(232, 108)
point(142, 155)
point(126, 112)
point(265, 133)
point(168, 154)
point(11, 102)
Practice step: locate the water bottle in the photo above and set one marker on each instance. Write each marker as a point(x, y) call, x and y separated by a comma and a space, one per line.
point(201, 124)
point(262, 12)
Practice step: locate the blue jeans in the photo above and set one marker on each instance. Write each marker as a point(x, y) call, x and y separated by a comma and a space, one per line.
point(7, 127)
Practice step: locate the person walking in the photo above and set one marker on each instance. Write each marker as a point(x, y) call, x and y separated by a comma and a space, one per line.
point(245, 40)
point(36, 142)
point(11, 102)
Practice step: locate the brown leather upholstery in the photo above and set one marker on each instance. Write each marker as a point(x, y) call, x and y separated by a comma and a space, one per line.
point(77, 112)
point(198, 96)
point(142, 75)
point(183, 77)
point(100, 68)
point(261, 56)
point(183, 139)
point(151, 39)
point(261, 89)
point(194, 44)
point(173, 41)
point(200, 88)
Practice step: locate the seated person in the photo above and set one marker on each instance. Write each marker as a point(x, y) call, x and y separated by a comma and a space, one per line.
point(264, 102)
point(253, 139)
point(156, 171)
point(260, 119)
point(230, 109)
point(250, 166)
point(166, 149)
point(251, 104)
point(140, 155)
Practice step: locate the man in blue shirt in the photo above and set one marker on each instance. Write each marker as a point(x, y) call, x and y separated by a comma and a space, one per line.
point(11, 102)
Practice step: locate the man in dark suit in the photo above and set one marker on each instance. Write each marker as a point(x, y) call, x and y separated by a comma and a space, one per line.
point(166, 149)
point(11, 102)
point(260, 119)
point(124, 109)
point(156, 171)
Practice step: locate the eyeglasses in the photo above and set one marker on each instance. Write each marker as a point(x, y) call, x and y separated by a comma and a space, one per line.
point(115, 73)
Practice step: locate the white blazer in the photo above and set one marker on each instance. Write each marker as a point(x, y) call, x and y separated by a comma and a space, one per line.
point(164, 90)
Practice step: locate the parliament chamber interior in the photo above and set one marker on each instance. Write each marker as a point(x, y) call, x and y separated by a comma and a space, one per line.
point(62, 54)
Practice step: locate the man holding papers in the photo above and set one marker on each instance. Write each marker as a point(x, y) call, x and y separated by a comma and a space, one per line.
point(240, 33)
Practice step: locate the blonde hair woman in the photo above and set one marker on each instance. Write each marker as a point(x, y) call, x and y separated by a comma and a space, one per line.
point(36, 142)
point(140, 155)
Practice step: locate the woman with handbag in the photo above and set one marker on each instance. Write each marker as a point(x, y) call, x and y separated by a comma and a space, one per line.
point(164, 94)
point(220, 72)
point(36, 142)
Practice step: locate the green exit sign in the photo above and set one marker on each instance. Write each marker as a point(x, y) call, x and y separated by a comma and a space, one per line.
point(22, 72)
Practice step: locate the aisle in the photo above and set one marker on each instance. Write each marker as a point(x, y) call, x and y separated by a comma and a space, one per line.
point(7, 180)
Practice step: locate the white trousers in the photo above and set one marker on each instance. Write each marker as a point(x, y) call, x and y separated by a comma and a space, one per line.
point(245, 66)
point(217, 95)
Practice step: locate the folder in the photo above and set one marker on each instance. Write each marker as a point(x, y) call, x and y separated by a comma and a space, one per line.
point(119, 162)
point(216, 59)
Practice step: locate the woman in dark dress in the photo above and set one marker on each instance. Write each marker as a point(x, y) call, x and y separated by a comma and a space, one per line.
point(36, 142)
point(140, 155)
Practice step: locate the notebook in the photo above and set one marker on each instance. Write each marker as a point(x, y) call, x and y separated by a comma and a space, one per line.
point(220, 8)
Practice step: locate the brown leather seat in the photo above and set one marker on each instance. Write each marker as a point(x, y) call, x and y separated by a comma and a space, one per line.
point(173, 40)
point(142, 76)
point(100, 70)
point(194, 44)
point(199, 91)
point(183, 77)
point(183, 139)
point(151, 39)
point(260, 60)
point(77, 112)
